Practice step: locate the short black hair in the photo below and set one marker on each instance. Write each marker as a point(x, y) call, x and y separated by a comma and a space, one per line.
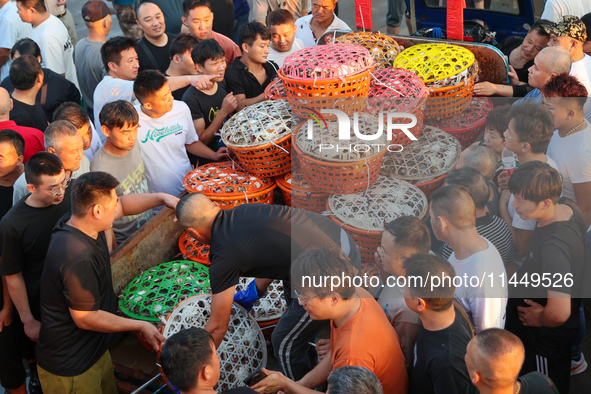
point(280, 16)
point(25, 46)
point(181, 44)
point(248, 33)
point(118, 114)
point(586, 19)
point(111, 50)
point(206, 50)
point(536, 181)
point(498, 119)
point(456, 204)
point(90, 189)
point(38, 5)
point(419, 268)
point(472, 180)
point(42, 163)
point(24, 72)
point(73, 113)
point(14, 138)
point(189, 5)
point(147, 83)
point(533, 123)
point(410, 232)
point(537, 27)
point(184, 355)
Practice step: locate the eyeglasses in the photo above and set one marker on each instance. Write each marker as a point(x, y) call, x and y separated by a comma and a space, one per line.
point(303, 301)
point(64, 185)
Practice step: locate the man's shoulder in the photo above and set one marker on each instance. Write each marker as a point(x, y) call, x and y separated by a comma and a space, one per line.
point(305, 20)
point(223, 40)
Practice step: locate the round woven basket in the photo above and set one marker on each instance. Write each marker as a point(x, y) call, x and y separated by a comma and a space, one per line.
point(260, 137)
point(275, 90)
point(345, 170)
point(425, 162)
point(298, 194)
point(398, 90)
point(449, 73)
point(318, 77)
point(469, 124)
point(383, 48)
point(364, 215)
point(194, 250)
point(269, 307)
point(229, 186)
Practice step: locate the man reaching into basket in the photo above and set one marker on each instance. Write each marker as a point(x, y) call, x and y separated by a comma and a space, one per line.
point(261, 241)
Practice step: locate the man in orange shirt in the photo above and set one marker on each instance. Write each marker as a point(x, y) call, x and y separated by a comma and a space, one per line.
point(361, 335)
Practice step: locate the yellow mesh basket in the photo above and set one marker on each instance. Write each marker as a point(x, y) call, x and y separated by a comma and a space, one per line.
point(384, 49)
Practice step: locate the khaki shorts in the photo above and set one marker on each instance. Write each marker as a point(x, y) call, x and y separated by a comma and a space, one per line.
point(98, 379)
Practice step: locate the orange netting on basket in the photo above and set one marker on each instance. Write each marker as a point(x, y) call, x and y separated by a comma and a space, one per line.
point(275, 90)
point(383, 48)
point(194, 250)
point(297, 193)
point(229, 186)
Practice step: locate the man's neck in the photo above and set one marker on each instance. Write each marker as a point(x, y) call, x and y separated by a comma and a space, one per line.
point(508, 390)
point(348, 309)
point(40, 19)
point(466, 243)
point(211, 90)
point(555, 213)
point(113, 150)
point(578, 54)
point(481, 212)
point(3, 3)
point(250, 64)
point(525, 157)
point(114, 75)
point(157, 41)
point(9, 179)
point(569, 126)
point(25, 96)
point(323, 25)
point(82, 225)
point(96, 36)
point(435, 321)
point(173, 70)
point(202, 388)
point(151, 114)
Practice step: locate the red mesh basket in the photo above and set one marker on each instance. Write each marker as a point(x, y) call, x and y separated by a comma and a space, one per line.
point(275, 90)
point(368, 241)
point(194, 250)
point(467, 125)
point(229, 186)
point(297, 193)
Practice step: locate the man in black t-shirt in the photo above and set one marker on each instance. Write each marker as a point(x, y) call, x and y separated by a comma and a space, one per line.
point(26, 76)
point(445, 333)
point(248, 76)
point(494, 358)
point(261, 241)
point(181, 62)
point(153, 48)
point(78, 304)
point(545, 315)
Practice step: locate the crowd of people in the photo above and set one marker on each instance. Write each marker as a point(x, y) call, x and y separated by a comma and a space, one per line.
point(97, 133)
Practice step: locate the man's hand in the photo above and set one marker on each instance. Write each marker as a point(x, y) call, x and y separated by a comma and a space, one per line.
point(229, 104)
point(5, 317)
point(513, 78)
point(531, 316)
point(221, 153)
point(485, 89)
point(170, 201)
point(202, 82)
point(32, 328)
point(503, 180)
point(275, 381)
point(322, 348)
point(152, 335)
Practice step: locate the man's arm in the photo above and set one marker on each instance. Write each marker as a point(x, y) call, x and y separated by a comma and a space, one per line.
point(134, 204)
point(221, 309)
point(490, 89)
point(317, 376)
point(555, 313)
point(408, 334)
point(582, 193)
point(18, 293)
point(4, 56)
point(276, 381)
point(6, 311)
point(198, 148)
point(521, 238)
point(199, 81)
point(244, 102)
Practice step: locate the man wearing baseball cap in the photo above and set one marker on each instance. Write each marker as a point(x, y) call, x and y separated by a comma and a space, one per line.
point(87, 53)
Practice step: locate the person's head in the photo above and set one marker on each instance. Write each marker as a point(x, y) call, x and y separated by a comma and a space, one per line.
point(151, 20)
point(481, 158)
point(452, 209)
point(31, 11)
point(94, 199)
point(197, 16)
point(5, 105)
point(535, 40)
point(569, 32)
point(180, 54)
point(323, 10)
point(254, 39)
point(12, 152)
point(195, 213)
point(494, 358)
point(565, 97)
point(189, 358)
point(26, 73)
point(282, 26)
point(62, 139)
point(537, 188)
point(353, 380)
point(496, 124)
point(120, 58)
point(75, 114)
point(46, 178)
point(327, 300)
point(402, 237)
point(152, 90)
point(119, 123)
point(587, 21)
point(549, 62)
point(419, 295)
point(209, 59)
point(472, 180)
point(25, 46)
point(530, 128)
point(97, 16)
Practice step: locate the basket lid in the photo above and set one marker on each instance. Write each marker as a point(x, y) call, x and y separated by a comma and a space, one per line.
point(327, 133)
point(383, 202)
point(327, 62)
point(395, 89)
point(474, 115)
point(243, 349)
point(383, 48)
point(157, 290)
point(434, 62)
point(275, 90)
point(433, 154)
point(224, 180)
point(193, 249)
point(259, 124)
point(295, 181)
point(269, 307)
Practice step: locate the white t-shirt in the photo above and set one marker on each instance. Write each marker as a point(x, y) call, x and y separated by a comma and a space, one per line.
point(56, 47)
point(582, 71)
point(556, 9)
point(279, 57)
point(13, 29)
point(518, 222)
point(163, 149)
point(485, 302)
point(306, 34)
point(95, 144)
point(108, 90)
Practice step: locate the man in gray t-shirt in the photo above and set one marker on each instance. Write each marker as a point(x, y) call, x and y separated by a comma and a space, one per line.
point(121, 157)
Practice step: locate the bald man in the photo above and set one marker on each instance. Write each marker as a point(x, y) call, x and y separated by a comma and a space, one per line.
point(453, 218)
point(494, 358)
point(486, 162)
point(153, 48)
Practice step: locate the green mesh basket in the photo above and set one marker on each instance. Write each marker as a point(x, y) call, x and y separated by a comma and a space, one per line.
point(156, 291)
